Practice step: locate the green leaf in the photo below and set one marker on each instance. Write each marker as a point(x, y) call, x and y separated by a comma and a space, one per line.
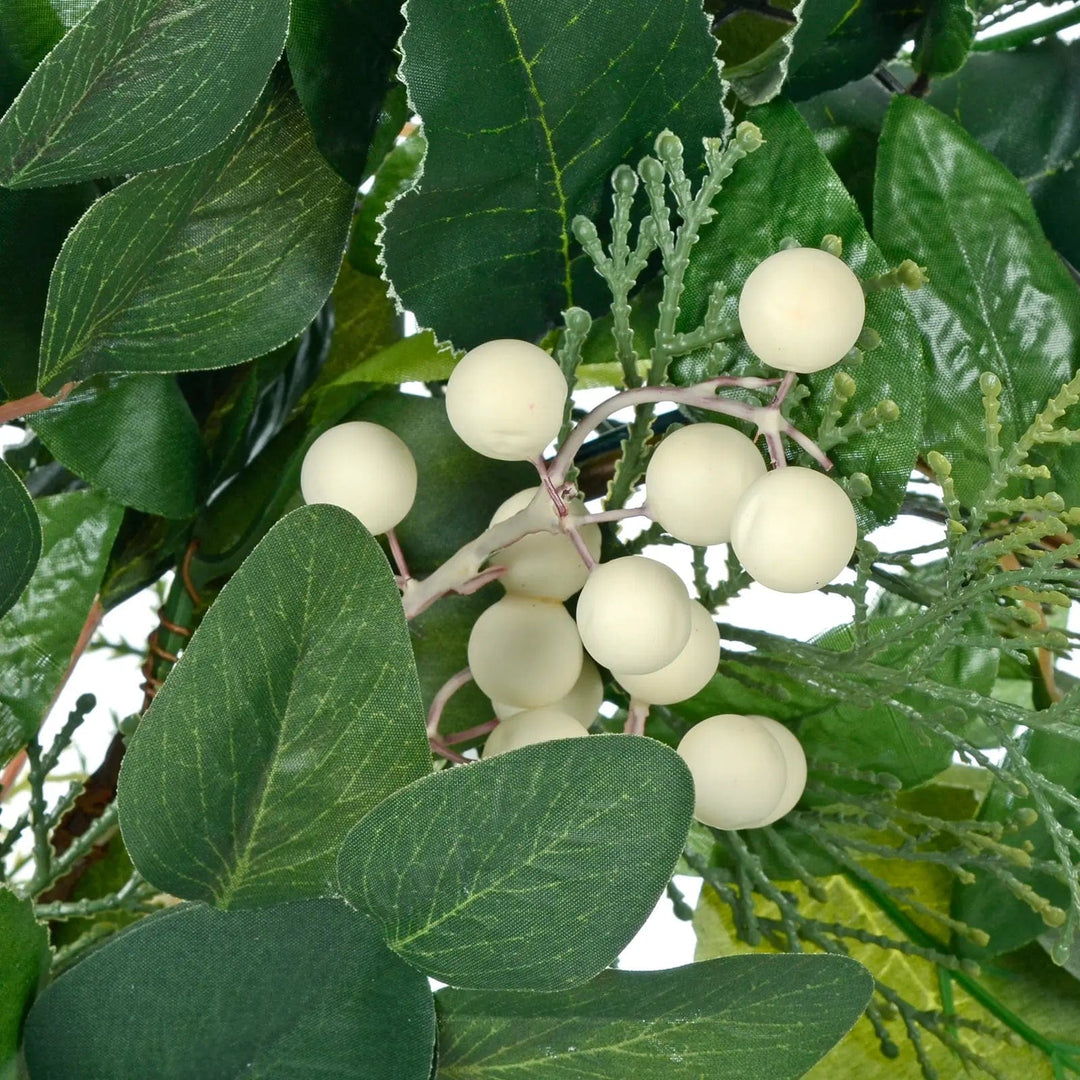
point(341, 55)
point(38, 635)
point(106, 873)
point(33, 225)
point(24, 963)
point(171, 287)
point(945, 40)
point(531, 870)
point(134, 438)
point(293, 711)
point(789, 189)
point(20, 537)
point(524, 127)
point(28, 30)
point(999, 300)
point(296, 990)
point(754, 47)
point(756, 1017)
point(418, 358)
point(140, 84)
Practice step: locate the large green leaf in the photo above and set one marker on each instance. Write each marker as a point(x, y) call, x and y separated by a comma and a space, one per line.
point(38, 634)
point(1000, 300)
point(524, 125)
point(202, 265)
point(756, 1017)
point(24, 962)
point(341, 54)
point(33, 225)
point(789, 189)
point(133, 438)
point(20, 537)
point(140, 84)
point(528, 871)
point(945, 39)
point(293, 711)
point(296, 990)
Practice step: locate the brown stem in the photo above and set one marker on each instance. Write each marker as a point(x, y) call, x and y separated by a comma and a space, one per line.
point(398, 554)
point(11, 773)
point(636, 716)
point(469, 733)
point(445, 693)
point(32, 403)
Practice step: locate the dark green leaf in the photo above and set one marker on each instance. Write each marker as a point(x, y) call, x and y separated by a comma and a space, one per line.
point(202, 265)
point(38, 634)
point(529, 871)
point(788, 189)
point(341, 55)
point(24, 962)
point(999, 300)
point(132, 437)
point(140, 84)
point(944, 42)
point(28, 30)
point(293, 711)
point(296, 990)
point(524, 127)
point(756, 1017)
point(20, 537)
point(33, 225)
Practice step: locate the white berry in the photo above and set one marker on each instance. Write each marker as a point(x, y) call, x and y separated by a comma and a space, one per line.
point(695, 478)
point(582, 703)
point(739, 770)
point(633, 614)
point(801, 310)
point(532, 726)
point(505, 399)
point(544, 565)
point(794, 530)
point(525, 652)
point(364, 468)
point(688, 672)
point(796, 768)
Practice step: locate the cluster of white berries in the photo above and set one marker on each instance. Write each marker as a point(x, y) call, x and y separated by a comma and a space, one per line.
point(793, 529)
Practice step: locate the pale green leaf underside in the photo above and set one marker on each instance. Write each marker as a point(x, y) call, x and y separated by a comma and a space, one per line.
point(205, 264)
point(527, 108)
point(140, 84)
point(294, 710)
point(295, 990)
point(755, 1017)
point(531, 870)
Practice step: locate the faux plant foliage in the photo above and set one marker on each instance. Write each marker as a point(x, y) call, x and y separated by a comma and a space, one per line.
point(201, 265)
point(788, 189)
point(764, 1017)
point(575, 89)
point(140, 84)
point(38, 635)
point(293, 712)
point(24, 962)
point(20, 537)
point(529, 871)
point(300, 989)
point(1001, 299)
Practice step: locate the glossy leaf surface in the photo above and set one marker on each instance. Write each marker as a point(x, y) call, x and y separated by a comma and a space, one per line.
point(20, 537)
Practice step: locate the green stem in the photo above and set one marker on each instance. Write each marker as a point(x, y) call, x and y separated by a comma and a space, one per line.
point(1024, 35)
point(131, 897)
point(39, 820)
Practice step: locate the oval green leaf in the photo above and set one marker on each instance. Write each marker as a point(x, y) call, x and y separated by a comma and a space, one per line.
point(755, 1017)
point(524, 126)
point(140, 84)
point(294, 710)
point(529, 871)
point(24, 962)
point(202, 265)
point(295, 990)
point(20, 537)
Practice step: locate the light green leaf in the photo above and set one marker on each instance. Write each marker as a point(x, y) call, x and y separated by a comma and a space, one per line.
point(524, 127)
point(24, 962)
point(20, 537)
point(419, 358)
point(756, 1017)
point(296, 990)
point(202, 265)
point(758, 77)
point(140, 84)
point(1000, 300)
point(944, 42)
point(38, 634)
point(293, 711)
point(529, 871)
point(133, 438)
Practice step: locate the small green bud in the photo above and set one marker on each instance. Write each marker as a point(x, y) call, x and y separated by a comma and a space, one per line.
point(989, 384)
point(978, 937)
point(868, 339)
point(584, 230)
point(1027, 816)
point(971, 967)
point(788, 243)
point(650, 170)
point(939, 463)
point(749, 137)
point(859, 486)
point(578, 321)
point(911, 275)
point(888, 411)
point(129, 724)
point(1053, 916)
point(624, 180)
point(668, 146)
point(843, 385)
point(833, 245)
